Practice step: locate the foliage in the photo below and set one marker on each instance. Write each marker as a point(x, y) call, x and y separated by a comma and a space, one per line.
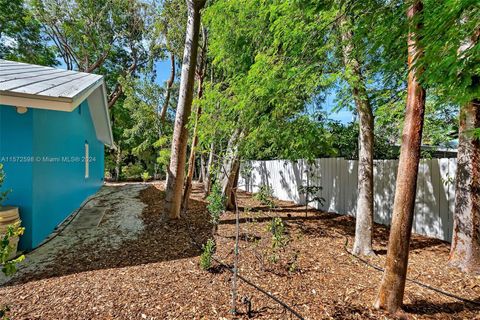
point(21, 38)
point(265, 195)
point(279, 239)
point(6, 249)
point(145, 176)
point(207, 255)
point(3, 194)
point(132, 171)
point(9, 265)
point(216, 203)
point(311, 194)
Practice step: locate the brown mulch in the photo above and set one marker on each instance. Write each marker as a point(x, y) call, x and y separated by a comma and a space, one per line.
point(157, 275)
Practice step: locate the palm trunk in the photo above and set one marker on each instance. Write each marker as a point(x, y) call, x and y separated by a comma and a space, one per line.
point(465, 251)
point(364, 217)
point(390, 296)
point(176, 170)
point(163, 112)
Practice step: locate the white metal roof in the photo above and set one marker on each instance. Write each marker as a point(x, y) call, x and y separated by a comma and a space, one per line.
point(33, 86)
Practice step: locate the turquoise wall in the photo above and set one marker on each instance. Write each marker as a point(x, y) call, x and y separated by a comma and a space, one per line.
point(16, 149)
point(53, 185)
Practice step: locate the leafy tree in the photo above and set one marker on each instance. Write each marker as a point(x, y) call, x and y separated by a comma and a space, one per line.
point(176, 171)
point(390, 296)
point(21, 38)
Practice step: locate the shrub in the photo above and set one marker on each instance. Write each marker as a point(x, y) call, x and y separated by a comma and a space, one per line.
point(265, 195)
point(3, 194)
point(145, 176)
point(216, 204)
point(9, 266)
point(279, 240)
point(207, 254)
point(132, 171)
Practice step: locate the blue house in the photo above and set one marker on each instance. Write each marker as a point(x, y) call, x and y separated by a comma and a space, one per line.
point(54, 125)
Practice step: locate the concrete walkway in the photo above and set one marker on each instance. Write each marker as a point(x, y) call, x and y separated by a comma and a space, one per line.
point(108, 218)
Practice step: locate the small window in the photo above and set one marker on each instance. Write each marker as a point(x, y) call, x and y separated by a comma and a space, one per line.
point(87, 162)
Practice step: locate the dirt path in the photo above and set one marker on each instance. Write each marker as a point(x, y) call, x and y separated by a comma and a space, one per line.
point(142, 266)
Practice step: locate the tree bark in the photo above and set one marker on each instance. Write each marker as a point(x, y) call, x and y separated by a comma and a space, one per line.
point(208, 176)
point(230, 166)
point(201, 176)
point(465, 251)
point(392, 287)
point(163, 112)
point(364, 217)
point(176, 170)
point(191, 161)
point(118, 163)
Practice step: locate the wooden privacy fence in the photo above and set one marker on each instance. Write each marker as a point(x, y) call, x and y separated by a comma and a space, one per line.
point(434, 205)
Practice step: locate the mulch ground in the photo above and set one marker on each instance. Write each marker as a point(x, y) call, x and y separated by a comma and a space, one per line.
point(157, 275)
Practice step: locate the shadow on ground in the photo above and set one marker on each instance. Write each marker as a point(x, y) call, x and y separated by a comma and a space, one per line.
point(161, 240)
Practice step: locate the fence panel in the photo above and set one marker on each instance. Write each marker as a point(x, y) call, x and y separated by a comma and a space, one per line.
point(434, 205)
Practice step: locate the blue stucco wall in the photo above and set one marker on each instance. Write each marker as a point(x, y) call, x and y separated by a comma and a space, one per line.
point(16, 149)
point(53, 185)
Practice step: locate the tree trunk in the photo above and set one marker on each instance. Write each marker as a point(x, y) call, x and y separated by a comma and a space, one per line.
point(230, 166)
point(191, 161)
point(176, 170)
point(465, 251)
point(118, 163)
point(208, 177)
point(163, 112)
point(392, 287)
point(364, 217)
point(201, 176)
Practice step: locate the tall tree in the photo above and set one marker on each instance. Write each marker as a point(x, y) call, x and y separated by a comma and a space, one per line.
point(201, 71)
point(465, 250)
point(176, 171)
point(392, 287)
point(356, 81)
point(21, 38)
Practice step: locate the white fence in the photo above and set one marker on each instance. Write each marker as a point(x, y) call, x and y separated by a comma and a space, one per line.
point(338, 178)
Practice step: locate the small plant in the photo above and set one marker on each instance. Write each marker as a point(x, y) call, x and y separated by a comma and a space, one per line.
point(9, 265)
point(3, 194)
point(311, 194)
point(216, 205)
point(265, 195)
point(293, 263)
point(279, 240)
point(207, 254)
point(145, 176)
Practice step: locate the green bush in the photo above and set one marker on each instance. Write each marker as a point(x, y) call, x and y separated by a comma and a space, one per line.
point(3, 194)
point(146, 176)
point(279, 240)
point(132, 171)
point(265, 195)
point(216, 203)
point(207, 254)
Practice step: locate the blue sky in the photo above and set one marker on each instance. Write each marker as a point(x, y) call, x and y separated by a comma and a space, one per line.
point(344, 116)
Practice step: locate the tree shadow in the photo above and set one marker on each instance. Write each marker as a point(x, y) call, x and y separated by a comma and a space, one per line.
point(424, 307)
point(160, 240)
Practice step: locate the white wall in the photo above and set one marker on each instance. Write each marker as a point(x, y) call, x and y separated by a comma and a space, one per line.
point(338, 177)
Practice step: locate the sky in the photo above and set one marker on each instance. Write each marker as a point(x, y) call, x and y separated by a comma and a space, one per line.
point(344, 116)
